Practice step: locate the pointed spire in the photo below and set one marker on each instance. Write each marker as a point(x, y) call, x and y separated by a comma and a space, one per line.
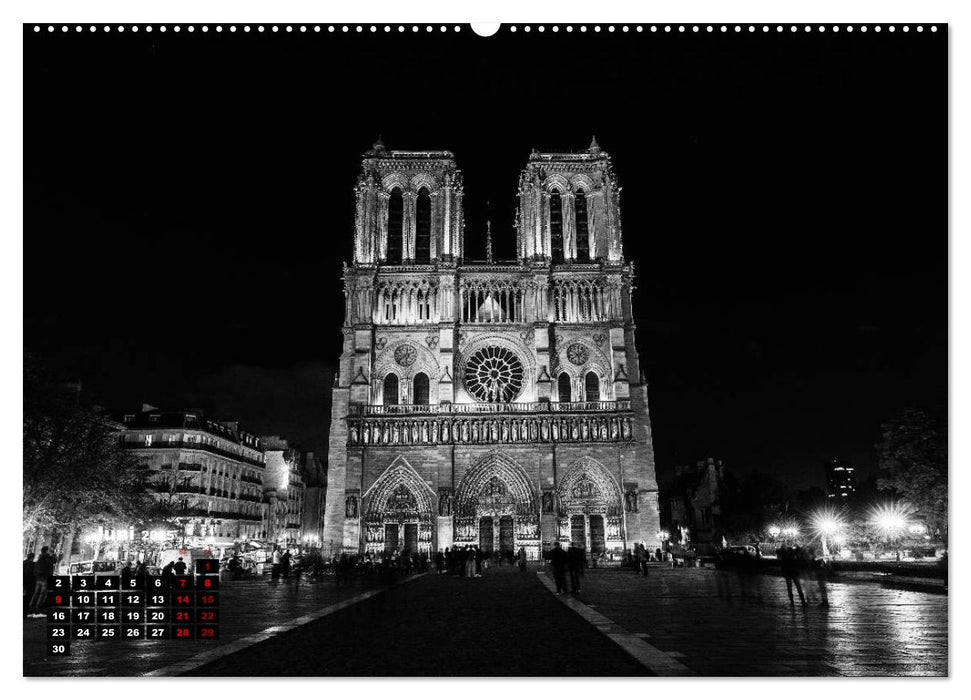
point(378, 145)
point(594, 146)
point(488, 241)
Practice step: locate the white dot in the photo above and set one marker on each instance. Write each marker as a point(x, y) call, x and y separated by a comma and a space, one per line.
point(429, 28)
point(219, 27)
point(779, 28)
point(640, 28)
point(850, 29)
point(892, 28)
point(555, 28)
point(877, 28)
point(596, 28)
point(694, 28)
point(36, 28)
point(192, 28)
point(906, 28)
point(261, 28)
point(822, 28)
point(808, 29)
point(626, 28)
point(527, 28)
point(863, 28)
point(458, 28)
point(275, 28)
point(724, 28)
point(512, 29)
point(541, 28)
point(653, 28)
point(610, 28)
point(667, 27)
point(289, 29)
point(765, 28)
point(934, 28)
point(583, 28)
point(414, 28)
point(710, 28)
point(163, 29)
point(344, 28)
point(681, 28)
point(737, 29)
point(205, 28)
point(793, 28)
point(751, 28)
point(920, 29)
point(120, 28)
point(317, 28)
point(107, 28)
point(78, 29)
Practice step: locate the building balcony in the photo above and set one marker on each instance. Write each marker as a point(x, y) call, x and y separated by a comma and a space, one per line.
point(480, 408)
point(185, 445)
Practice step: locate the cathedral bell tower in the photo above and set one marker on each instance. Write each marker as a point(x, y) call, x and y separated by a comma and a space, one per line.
point(409, 208)
point(569, 208)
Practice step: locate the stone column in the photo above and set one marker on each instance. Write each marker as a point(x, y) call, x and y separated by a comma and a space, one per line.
point(359, 217)
point(408, 247)
point(436, 222)
point(569, 226)
point(546, 248)
point(381, 235)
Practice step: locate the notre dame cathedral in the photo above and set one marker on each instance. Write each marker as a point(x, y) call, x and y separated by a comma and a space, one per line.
point(498, 403)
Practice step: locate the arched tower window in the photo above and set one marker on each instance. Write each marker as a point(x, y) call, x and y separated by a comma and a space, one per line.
point(556, 226)
point(420, 388)
point(391, 390)
point(563, 385)
point(396, 223)
point(591, 384)
point(423, 227)
point(583, 233)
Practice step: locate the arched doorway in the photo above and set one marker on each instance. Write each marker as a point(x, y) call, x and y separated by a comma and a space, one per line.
point(398, 511)
point(497, 508)
point(591, 507)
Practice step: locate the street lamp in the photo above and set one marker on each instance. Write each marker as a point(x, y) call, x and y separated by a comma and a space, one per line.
point(774, 531)
point(890, 520)
point(827, 524)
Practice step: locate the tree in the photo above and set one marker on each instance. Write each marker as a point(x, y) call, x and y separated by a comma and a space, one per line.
point(913, 459)
point(75, 472)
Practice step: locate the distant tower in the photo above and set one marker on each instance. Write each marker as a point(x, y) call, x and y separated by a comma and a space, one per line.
point(840, 479)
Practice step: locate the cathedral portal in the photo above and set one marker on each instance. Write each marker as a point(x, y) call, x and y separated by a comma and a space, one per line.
point(497, 508)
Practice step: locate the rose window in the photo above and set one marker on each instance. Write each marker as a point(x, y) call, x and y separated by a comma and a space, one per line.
point(405, 355)
point(577, 354)
point(494, 374)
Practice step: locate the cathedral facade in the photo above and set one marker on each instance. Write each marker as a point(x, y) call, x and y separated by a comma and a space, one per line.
point(483, 402)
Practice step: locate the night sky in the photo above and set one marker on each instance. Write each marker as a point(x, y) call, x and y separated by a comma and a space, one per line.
point(189, 200)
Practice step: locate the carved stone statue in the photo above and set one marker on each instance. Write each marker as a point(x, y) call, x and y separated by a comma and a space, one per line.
point(445, 504)
point(630, 500)
point(350, 507)
point(547, 501)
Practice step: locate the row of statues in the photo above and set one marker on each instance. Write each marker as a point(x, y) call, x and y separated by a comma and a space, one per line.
point(484, 430)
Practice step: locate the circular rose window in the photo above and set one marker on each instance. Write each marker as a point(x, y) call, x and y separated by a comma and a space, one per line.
point(494, 374)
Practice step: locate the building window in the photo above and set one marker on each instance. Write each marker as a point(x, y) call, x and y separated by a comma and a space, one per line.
point(423, 227)
point(583, 234)
point(420, 388)
point(592, 386)
point(556, 226)
point(148, 440)
point(563, 384)
point(391, 390)
point(396, 222)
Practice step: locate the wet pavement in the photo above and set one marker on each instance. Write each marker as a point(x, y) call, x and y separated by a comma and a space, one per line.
point(503, 624)
point(509, 624)
point(720, 625)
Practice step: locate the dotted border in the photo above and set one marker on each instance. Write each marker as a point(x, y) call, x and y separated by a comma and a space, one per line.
point(510, 28)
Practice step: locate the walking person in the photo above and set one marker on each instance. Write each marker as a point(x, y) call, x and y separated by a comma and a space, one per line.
point(285, 564)
point(469, 562)
point(558, 560)
point(821, 568)
point(576, 558)
point(642, 559)
point(29, 581)
point(789, 559)
point(522, 559)
point(479, 555)
point(43, 567)
point(439, 562)
point(276, 560)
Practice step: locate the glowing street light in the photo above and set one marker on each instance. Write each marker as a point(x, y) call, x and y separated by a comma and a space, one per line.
point(891, 520)
point(774, 531)
point(827, 524)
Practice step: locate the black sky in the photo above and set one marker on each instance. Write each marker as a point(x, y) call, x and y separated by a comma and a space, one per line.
point(188, 203)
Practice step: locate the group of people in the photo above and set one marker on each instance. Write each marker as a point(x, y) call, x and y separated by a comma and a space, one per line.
point(35, 582)
point(797, 562)
point(641, 555)
point(572, 560)
point(470, 561)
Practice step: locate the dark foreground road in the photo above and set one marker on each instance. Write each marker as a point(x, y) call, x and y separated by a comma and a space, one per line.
point(503, 624)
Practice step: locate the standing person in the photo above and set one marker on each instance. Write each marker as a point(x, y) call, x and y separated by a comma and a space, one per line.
point(789, 559)
point(575, 561)
point(43, 567)
point(449, 561)
point(558, 560)
point(180, 567)
point(522, 559)
point(285, 564)
point(642, 560)
point(167, 572)
point(821, 569)
point(439, 562)
point(478, 561)
point(469, 562)
point(29, 582)
point(276, 561)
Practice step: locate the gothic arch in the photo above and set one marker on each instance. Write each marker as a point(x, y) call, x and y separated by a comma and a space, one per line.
point(398, 474)
point(582, 182)
point(424, 361)
point(557, 182)
point(392, 180)
point(597, 362)
point(514, 345)
point(589, 487)
point(509, 472)
point(424, 180)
